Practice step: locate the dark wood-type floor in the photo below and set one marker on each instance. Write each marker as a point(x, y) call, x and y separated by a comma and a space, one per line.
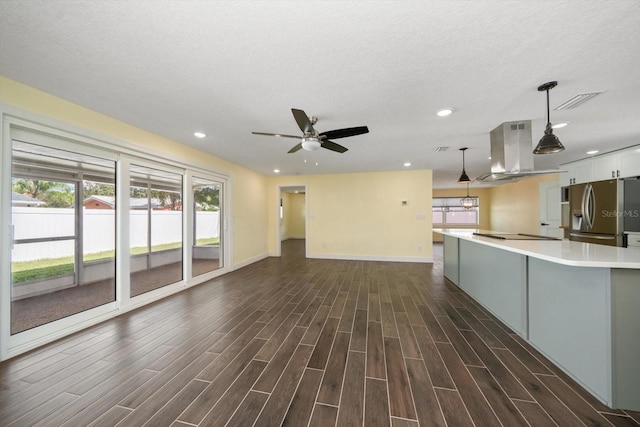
point(296, 342)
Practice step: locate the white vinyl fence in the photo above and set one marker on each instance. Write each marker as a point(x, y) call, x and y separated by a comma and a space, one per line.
point(99, 230)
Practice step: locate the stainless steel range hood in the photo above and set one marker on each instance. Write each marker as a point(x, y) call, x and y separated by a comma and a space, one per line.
point(512, 153)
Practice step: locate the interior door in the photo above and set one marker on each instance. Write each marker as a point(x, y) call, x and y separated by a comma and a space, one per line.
point(550, 217)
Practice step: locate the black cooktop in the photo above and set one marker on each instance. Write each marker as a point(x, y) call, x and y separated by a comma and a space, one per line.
point(515, 236)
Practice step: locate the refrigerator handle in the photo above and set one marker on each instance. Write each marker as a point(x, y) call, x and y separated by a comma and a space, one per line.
point(583, 206)
point(591, 205)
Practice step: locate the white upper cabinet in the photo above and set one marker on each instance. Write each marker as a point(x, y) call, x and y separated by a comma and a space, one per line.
point(606, 167)
point(619, 164)
point(577, 172)
point(583, 171)
point(630, 162)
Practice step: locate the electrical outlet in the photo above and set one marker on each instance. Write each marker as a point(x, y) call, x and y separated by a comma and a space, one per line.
point(419, 248)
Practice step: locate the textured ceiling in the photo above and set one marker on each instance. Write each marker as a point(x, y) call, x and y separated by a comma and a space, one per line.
point(229, 68)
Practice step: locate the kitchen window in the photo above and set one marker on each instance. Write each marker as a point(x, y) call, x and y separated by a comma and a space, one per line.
point(449, 211)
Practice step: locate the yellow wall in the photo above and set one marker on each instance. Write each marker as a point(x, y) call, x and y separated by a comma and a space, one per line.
point(357, 215)
point(360, 215)
point(248, 189)
point(293, 222)
point(484, 202)
point(515, 207)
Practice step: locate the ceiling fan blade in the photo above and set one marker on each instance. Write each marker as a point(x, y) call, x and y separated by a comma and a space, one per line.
point(303, 121)
point(295, 148)
point(279, 135)
point(330, 145)
point(343, 133)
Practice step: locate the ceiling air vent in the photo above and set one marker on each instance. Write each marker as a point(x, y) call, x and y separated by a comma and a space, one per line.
point(438, 149)
point(579, 99)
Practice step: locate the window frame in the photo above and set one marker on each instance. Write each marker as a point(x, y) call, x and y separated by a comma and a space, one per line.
point(457, 207)
point(41, 128)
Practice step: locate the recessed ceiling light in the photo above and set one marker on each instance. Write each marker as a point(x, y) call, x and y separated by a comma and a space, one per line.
point(276, 170)
point(444, 112)
point(559, 125)
point(489, 157)
point(593, 151)
point(199, 134)
point(407, 164)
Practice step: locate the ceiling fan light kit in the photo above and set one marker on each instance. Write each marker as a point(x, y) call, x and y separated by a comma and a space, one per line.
point(310, 143)
point(549, 143)
point(311, 140)
point(464, 178)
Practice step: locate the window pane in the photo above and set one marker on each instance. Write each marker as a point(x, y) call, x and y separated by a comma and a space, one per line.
point(99, 221)
point(40, 261)
point(462, 217)
point(438, 216)
point(448, 210)
point(166, 220)
point(156, 237)
point(206, 254)
point(61, 263)
point(138, 220)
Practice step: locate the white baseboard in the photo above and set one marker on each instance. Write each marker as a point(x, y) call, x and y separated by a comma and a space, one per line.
point(251, 260)
point(371, 258)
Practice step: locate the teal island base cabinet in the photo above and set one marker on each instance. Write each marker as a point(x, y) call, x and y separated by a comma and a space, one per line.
point(577, 303)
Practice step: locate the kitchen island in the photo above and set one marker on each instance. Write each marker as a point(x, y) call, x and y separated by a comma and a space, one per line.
point(577, 303)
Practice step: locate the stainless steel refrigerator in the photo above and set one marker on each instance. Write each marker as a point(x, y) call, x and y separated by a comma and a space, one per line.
point(596, 212)
point(631, 213)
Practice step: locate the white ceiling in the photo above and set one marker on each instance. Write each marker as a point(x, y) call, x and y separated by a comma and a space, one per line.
point(229, 68)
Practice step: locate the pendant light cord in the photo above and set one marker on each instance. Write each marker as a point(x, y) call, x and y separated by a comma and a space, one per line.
point(548, 114)
point(463, 169)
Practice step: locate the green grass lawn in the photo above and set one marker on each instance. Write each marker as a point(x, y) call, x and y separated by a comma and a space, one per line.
point(27, 271)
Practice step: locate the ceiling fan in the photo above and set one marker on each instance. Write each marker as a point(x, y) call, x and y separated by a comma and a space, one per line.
point(312, 140)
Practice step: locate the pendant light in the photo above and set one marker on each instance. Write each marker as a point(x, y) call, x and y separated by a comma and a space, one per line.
point(549, 143)
point(464, 178)
point(468, 202)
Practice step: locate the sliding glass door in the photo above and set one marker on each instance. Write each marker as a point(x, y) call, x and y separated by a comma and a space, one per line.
point(63, 218)
point(96, 229)
point(155, 212)
point(207, 250)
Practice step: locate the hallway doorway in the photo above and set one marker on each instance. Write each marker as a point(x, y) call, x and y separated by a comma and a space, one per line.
point(292, 215)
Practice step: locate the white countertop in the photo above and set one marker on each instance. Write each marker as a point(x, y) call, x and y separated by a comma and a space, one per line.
point(559, 251)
